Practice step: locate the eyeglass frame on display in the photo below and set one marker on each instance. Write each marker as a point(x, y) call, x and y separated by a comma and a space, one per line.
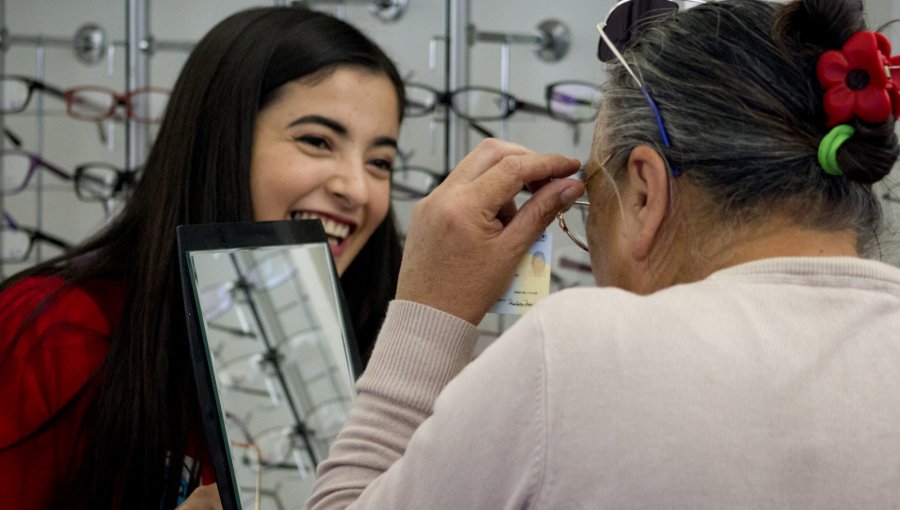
point(32, 85)
point(403, 193)
point(124, 181)
point(35, 162)
point(549, 95)
point(33, 235)
point(124, 99)
point(511, 103)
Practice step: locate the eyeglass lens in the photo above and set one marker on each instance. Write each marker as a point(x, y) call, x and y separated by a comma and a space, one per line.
point(94, 104)
point(15, 245)
point(97, 183)
point(17, 168)
point(573, 101)
point(16, 94)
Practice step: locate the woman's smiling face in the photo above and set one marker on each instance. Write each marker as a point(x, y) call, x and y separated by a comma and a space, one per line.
point(323, 149)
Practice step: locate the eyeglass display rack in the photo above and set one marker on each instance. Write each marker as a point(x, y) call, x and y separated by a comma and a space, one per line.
point(548, 42)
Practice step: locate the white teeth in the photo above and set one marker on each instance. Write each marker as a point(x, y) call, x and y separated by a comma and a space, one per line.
point(335, 230)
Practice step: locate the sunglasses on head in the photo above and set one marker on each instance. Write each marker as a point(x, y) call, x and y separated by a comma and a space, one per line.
point(620, 28)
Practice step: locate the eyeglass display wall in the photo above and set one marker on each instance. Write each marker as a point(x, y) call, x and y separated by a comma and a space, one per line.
point(463, 54)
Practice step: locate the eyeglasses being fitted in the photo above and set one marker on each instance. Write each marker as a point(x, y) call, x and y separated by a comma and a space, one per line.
point(88, 102)
point(620, 26)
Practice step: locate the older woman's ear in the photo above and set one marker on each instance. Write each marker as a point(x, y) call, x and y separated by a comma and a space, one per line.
point(645, 199)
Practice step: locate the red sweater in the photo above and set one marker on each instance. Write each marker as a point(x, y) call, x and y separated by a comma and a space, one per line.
point(42, 369)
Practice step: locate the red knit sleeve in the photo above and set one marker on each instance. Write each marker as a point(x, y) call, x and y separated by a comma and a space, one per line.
point(52, 339)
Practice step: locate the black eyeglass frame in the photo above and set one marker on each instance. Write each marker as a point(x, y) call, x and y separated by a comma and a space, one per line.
point(511, 103)
point(32, 85)
point(34, 235)
point(124, 181)
point(548, 97)
point(35, 162)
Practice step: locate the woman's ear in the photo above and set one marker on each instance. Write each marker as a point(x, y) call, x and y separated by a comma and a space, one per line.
point(646, 199)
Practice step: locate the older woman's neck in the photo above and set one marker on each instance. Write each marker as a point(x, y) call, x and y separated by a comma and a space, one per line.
point(780, 237)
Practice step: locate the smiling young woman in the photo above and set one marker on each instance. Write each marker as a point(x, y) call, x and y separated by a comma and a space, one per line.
point(324, 149)
point(279, 113)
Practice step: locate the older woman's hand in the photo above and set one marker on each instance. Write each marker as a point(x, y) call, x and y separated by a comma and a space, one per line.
point(466, 238)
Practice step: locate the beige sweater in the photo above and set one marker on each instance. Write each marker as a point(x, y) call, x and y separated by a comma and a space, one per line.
point(773, 384)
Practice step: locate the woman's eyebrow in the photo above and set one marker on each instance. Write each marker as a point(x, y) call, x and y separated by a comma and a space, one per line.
point(332, 124)
point(385, 140)
point(340, 129)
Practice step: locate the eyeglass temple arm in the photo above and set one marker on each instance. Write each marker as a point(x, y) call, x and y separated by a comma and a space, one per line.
point(525, 106)
point(65, 174)
point(10, 222)
point(36, 234)
point(483, 131)
point(55, 241)
point(13, 137)
point(46, 87)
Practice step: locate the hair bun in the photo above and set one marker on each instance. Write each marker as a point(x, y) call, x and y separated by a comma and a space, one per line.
point(814, 26)
point(870, 155)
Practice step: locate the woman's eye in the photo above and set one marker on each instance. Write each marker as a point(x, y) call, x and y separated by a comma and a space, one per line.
point(383, 164)
point(315, 141)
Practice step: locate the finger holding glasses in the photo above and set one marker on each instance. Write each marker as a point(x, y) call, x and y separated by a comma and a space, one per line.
point(467, 237)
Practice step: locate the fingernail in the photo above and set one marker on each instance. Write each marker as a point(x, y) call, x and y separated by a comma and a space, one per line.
point(570, 195)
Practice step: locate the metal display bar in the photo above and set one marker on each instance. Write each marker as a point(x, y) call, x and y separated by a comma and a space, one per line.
point(137, 63)
point(456, 133)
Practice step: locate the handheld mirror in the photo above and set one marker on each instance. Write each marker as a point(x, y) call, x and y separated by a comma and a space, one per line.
point(274, 356)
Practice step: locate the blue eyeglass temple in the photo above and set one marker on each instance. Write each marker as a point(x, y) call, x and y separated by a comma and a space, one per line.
point(663, 134)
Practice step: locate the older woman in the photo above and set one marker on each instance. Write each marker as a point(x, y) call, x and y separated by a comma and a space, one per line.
point(742, 352)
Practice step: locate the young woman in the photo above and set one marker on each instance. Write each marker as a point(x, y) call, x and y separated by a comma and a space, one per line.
point(744, 352)
point(279, 113)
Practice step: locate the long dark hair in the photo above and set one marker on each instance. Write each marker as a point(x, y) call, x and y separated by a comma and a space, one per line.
point(198, 172)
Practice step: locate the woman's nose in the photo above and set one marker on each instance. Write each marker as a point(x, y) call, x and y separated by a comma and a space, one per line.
point(349, 186)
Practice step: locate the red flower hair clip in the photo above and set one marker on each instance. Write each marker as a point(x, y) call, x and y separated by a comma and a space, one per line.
point(861, 80)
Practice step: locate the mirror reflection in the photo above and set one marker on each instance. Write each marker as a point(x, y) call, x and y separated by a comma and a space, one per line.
point(280, 363)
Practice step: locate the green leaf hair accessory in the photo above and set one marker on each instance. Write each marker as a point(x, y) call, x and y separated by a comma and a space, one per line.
point(829, 146)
